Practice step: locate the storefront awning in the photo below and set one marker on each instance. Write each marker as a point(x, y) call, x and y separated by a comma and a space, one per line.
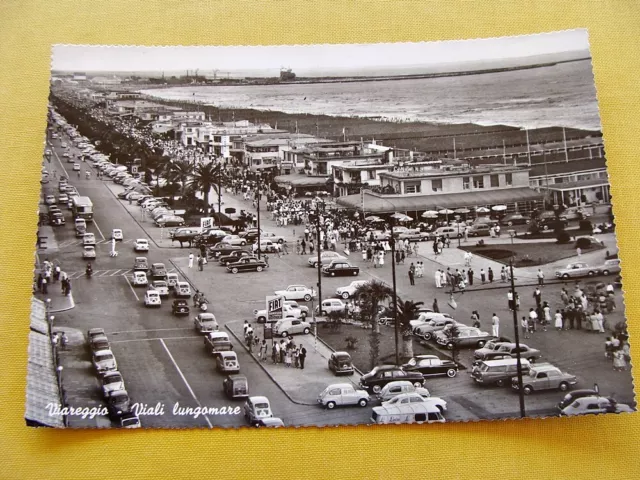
point(591, 183)
point(414, 203)
point(299, 180)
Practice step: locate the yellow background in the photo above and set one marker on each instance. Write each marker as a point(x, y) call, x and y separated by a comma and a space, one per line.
point(597, 447)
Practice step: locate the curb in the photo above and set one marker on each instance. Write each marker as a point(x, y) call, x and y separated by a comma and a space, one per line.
point(73, 305)
point(356, 369)
point(297, 402)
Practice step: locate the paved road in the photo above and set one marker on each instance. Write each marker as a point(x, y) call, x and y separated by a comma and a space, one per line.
point(163, 359)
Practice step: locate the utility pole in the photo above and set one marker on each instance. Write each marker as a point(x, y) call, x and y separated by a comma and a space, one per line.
point(258, 208)
point(516, 330)
point(220, 195)
point(396, 326)
point(318, 250)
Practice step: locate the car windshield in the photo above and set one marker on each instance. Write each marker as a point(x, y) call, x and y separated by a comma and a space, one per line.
point(262, 405)
point(112, 379)
point(104, 357)
point(412, 362)
point(343, 358)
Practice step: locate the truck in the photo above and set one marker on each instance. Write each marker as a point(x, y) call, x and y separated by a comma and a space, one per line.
point(82, 207)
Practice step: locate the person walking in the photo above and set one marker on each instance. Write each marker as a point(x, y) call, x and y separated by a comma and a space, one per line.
point(191, 257)
point(619, 361)
point(301, 357)
point(600, 320)
point(558, 321)
point(438, 278)
point(495, 326)
point(275, 352)
point(510, 301)
point(200, 263)
point(296, 357)
point(490, 273)
point(412, 272)
point(43, 284)
point(537, 295)
point(303, 244)
point(483, 277)
point(311, 247)
point(419, 270)
point(470, 276)
point(533, 319)
point(263, 351)
point(435, 307)
point(540, 275)
point(285, 248)
point(475, 319)
point(524, 323)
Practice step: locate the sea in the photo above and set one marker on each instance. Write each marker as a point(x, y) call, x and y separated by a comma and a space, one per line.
point(559, 95)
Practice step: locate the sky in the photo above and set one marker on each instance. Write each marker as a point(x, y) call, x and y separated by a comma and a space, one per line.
point(310, 58)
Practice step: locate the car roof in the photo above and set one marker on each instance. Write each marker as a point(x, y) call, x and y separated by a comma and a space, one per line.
point(111, 374)
point(423, 357)
point(157, 265)
point(182, 284)
point(103, 352)
point(505, 361)
point(341, 385)
point(228, 354)
point(218, 335)
point(206, 315)
point(258, 399)
point(140, 259)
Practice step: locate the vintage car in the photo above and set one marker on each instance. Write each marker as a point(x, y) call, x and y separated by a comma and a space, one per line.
point(205, 322)
point(180, 307)
point(425, 317)
point(152, 298)
point(297, 292)
point(304, 310)
point(489, 347)
point(340, 394)
point(275, 238)
point(141, 245)
point(130, 420)
point(331, 305)
point(172, 280)
point(340, 362)
point(347, 292)
point(246, 265)
point(610, 267)
point(287, 312)
point(89, 252)
point(117, 235)
point(291, 326)
point(234, 240)
point(56, 219)
point(595, 404)
point(399, 387)
point(468, 337)
point(161, 287)
point(326, 258)
point(139, 279)
point(234, 256)
point(222, 249)
point(340, 268)
point(511, 349)
point(182, 290)
point(99, 342)
point(118, 403)
point(427, 330)
point(271, 422)
point(573, 395)
point(544, 376)
point(431, 365)
point(217, 342)
point(515, 219)
point(415, 397)
point(89, 239)
point(377, 378)
point(256, 409)
point(576, 270)
point(110, 382)
point(158, 270)
point(235, 386)
point(104, 361)
point(227, 362)
point(140, 264)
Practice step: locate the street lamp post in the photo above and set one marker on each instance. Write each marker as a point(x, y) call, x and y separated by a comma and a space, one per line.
point(258, 209)
point(396, 327)
point(220, 194)
point(318, 250)
point(517, 337)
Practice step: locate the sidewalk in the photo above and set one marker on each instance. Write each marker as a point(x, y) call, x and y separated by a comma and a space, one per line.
point(48, 242)
point(300, 386)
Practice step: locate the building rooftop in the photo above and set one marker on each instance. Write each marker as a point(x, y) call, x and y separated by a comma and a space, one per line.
point(409, 171)
point(572, 166)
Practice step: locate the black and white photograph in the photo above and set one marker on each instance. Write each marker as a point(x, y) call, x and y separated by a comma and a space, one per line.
point(315, 235)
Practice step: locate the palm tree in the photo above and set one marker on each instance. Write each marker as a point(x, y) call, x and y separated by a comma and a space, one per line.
point(205, 178)
point(180, 171)
point(407, 311)
point(372, 294)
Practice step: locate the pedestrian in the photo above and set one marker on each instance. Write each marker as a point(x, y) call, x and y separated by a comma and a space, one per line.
point(483, 277)
point(540, 277)
point(266, 259)
point(287, 358)
point(263, 351)
point(490, 273)
point(310, 247)
point(412, 272)
point(619, 362)
point(537, 295)
point(533, 319)
point(298, 247)
point(191, 257)
point(503, 274)
point(419, 269)
point(56, 274)
point(200, 263)
point(381, 259)
point(558, 320)
point(64, 340)
point(524, 323)
point(44, 285)
point(600, 320)
point(277, 247)
point(475, 319)
point(435, 306)
point(470, 276)
point(495, 326)
point(438, 278)
point(510, 301)
point(283, 351)
point(303, 244)
point(275, 353)
point(301, 357)
point(579, 252)
point(296, 357)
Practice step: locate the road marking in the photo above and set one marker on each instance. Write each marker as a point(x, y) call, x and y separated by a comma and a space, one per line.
point(116, 272)
point(185, 381)
point(154, 338)
point(103, 274)
point(132, 289)
point(150, 330)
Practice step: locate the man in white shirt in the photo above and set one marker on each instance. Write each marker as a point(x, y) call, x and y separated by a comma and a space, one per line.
point(495, 326)
point(191, 257)
point(533, 316)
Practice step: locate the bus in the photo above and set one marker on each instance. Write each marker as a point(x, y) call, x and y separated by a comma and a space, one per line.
point(81, 207)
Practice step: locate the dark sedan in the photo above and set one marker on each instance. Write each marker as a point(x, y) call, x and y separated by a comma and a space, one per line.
point(515, 219)
point(431, 365)
point(340, 268)
point(247, 264)
point(377, 378)
point(234, 256)
point(222, 249)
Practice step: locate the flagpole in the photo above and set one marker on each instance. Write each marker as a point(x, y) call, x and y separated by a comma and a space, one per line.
point(564, 140)
point(528, 147)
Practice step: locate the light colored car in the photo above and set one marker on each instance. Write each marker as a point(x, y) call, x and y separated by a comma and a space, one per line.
point(415, 397)
point(326, 258)
point(544, 376)
point(340, 394)
point(256, 409)
point(172, 280)
point(89, 252)
point(117, 235)
point(50, 199)
point(161, 287)
point(152, 298)
point(170, 221)
point(331, 305)
point(304, 310)
point(63, 198)
point(348, 291)
point(205, 322)
point(104, 361)
point(111, 382)
point(426, 317)
point(287, 312)
point(139, 279)
point(595, 404)
point(234, 240)
point(273, 237)
point(89, 239)
point(141, 245)
point(468, 337)
point(610, 267)
point(398, 387)
point(182, 290)
point(576, 270)
point(297, 292)
point(291, 326)
point(227, 362)
point(427, 330)
point(76, 167)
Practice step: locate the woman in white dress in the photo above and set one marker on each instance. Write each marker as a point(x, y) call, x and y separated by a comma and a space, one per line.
point(381, 259)
point(558, 320)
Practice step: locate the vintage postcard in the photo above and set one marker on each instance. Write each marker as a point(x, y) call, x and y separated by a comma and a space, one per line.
point(325, 235)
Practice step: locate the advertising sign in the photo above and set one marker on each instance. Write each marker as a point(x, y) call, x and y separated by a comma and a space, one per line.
point(274, 308)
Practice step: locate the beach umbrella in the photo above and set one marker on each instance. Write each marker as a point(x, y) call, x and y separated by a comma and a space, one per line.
point(308, 194)
point(499, 208)
point(462, 210)
point(372, 218)
point(430, 214)
point(482, 210)
point(445, 211)
point(401, 217)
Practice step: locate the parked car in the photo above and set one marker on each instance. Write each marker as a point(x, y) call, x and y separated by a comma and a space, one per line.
point(180, 307)
point(234, 240)
point(610, 267)
point(215, 342)
point(99, 342)
point(577, 270)
point(347, 292)
point(247, 264)
point(256, 409)
point(141, 245)
point(427, 330)
point(498, 372)
point(152, 298)
point(158, 270)
point(340, 268)
point(431, 365)
point(271, 422)
point(326, 258)
point(139, 279)
point(331, 305)
point(297, 292)
point(515, 219)
point(340, 362)
point(398, 387)
point(544, 376)
point(287, 312)
point(89, 239)
point(273, 237)
point(415, 397)
point(118, 403)
point(169, 221)
point(227, 362)
point(140, 264)
point(377, 378)
point(573, 395)
point(468, 337)
point(291, 326)
point(419, 413)
point(235, 386)
point(161, 287)
point(234, 256)
point(117, 234)
point(104, 361)
point(510, 349)
point(182, 290)
point(222, 249)
point(89, 252)
point(341, 394)
point(489, 347)
point(480, 230)
point(594, 405)
point(110, 382)
point(205, 322)
point(130, 420)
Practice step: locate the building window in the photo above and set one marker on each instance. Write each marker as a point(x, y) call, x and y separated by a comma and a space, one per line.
point(508, 179)
point(436, 185)
point(478, 182)
point(371, 175)
point(466, 183)
point(412, 187)
point(495, 181)
point(558, 180)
